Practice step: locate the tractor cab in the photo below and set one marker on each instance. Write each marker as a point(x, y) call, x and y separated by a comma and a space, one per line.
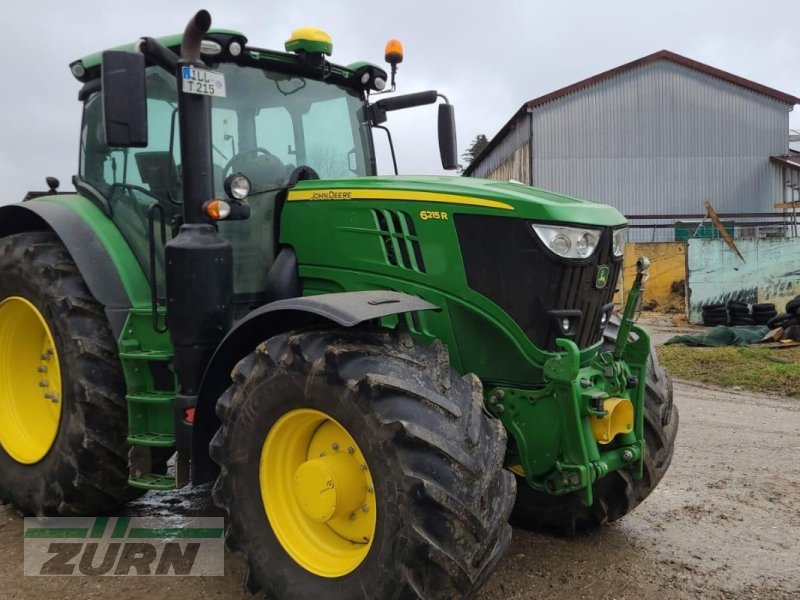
point(277, 112)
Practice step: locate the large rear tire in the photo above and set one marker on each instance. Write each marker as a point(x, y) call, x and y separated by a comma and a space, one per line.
point(63, 419)
point(353, 405)
point(618, 493)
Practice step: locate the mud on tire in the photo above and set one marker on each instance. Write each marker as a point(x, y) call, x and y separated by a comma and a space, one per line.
point(435, 456)
point(618, 493)
point(86, 470)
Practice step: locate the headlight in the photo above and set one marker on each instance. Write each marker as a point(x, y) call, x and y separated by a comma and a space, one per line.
point(619, 241)
point(569, 242)
point(237, 186)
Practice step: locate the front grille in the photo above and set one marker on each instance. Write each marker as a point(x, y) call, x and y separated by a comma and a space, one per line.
point(507, 263)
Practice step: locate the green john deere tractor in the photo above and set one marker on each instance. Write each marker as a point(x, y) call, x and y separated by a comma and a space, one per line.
point(378, 372)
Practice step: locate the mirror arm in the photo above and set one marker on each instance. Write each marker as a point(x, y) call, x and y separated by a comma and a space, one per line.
point(159, 54)
point(391, 145)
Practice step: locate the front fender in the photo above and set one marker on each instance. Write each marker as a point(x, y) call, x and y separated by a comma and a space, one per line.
point(346, 309)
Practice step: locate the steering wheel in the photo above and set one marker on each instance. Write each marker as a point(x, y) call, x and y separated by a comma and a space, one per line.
point(256, 151)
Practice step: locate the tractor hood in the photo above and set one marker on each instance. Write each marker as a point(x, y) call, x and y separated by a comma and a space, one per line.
point(499, 197)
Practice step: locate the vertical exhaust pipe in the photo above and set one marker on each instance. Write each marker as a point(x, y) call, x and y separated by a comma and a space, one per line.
point(199, 263)
point(197, 26)
point(194, 112)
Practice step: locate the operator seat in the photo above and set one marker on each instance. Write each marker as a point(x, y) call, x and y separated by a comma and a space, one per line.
point(160, 173)
point(265, 171)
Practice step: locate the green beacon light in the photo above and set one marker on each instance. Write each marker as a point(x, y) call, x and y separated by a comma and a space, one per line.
point(310, 40)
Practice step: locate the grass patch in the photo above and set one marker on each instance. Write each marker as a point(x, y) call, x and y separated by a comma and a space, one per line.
point(760, 369)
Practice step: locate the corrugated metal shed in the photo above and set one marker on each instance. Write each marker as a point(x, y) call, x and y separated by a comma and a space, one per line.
point(656, 136)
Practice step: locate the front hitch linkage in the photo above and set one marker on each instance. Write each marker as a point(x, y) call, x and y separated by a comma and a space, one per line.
point(632, 306)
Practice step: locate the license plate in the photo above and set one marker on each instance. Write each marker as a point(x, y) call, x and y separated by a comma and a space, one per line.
point(203, 82)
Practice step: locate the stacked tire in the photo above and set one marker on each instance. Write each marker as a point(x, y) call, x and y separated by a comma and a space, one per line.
point(715, 314)
point(739, 314)
point(764, 313)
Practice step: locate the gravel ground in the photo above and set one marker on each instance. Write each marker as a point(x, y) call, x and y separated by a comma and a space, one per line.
point(724, 523)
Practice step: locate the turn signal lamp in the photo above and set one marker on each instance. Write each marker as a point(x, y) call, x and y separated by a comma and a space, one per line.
point(394, 52)
point(217, 210)
point(310, 40)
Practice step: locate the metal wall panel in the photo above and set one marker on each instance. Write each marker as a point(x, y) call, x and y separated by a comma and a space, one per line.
point(516, 166)
point(662, 138)
point(499, 155)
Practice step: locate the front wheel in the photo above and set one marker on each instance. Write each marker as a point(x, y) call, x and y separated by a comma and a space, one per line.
point(358, 465)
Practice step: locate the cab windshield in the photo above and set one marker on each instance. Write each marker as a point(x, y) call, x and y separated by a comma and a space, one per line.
point(271, 122)
point(268, 124)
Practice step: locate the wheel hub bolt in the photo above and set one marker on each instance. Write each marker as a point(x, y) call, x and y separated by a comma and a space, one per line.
point(335, 446)
point(351, 450)
point(44, 383)
point(365, 508)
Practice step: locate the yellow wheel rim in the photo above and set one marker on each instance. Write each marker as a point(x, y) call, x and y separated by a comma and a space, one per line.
point(30, 382)
point(318, 492)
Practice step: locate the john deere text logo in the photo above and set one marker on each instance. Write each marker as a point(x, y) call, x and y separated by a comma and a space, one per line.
point(602, 277)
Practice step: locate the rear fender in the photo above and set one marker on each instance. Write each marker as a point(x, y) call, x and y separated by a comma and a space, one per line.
point(100, 252)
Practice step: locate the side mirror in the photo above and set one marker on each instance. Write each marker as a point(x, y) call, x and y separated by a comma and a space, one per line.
point(447, 137)
point(124, 99)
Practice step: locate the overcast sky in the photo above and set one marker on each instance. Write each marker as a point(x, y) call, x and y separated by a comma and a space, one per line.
point(488, 57)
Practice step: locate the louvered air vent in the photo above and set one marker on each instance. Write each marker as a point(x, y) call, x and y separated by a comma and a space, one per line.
point(399, 238)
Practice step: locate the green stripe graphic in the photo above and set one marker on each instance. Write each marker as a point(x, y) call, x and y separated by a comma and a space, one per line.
point(99, 527)
point(121, 530)
point(56, 532)
point(176, 532)
point(121, 527)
